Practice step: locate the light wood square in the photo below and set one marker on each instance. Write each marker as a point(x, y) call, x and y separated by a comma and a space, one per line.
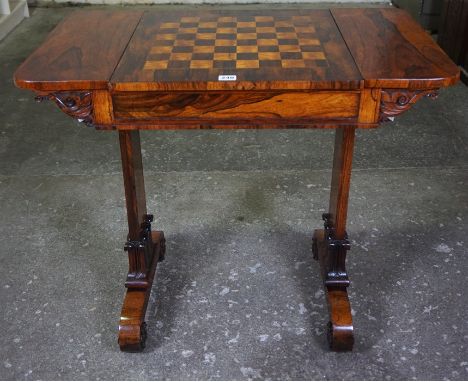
point(201, 64)
point(224, 56)
point(161, 49)
point(269, 56)
point(283, 23)
point(246, 36)
point(203, 49)
point(247, 49)
point(222, 42)
point(206, 36)
point(266, 30)
point(247, 64)
point(267, 42)
point(293, 64)
point(153, 65)
point(286, 35)
point(246, 24)
point(188, 30)
point(230, 30)
point(207, 24)
point(313, 55)
point(164, 36)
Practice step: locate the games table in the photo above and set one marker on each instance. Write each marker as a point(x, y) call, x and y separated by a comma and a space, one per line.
point(130, 70)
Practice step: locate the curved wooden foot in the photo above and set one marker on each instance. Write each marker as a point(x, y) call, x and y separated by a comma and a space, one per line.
point(132, 338)
point(340, 327)
point(132, 327)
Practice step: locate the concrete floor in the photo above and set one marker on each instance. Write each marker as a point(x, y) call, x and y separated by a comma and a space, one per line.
point(238, 296)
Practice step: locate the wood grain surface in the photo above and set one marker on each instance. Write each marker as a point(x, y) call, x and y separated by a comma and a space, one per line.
point(264, 50)
point(80, 53)
point(391, 50)
point(258, 105)
point(341, 179)
point(269, 50)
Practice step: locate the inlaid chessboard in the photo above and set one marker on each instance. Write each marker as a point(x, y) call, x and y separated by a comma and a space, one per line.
point(242, 49)
point(238, 42)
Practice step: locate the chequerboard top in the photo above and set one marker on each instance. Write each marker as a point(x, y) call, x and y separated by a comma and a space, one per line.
point(230, 42)
point(250, 46)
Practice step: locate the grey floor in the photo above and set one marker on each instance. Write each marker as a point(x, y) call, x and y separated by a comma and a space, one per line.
point(238, 296)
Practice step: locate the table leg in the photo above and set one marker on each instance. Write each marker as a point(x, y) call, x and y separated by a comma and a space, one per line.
point(145, 248)
point(331, 244)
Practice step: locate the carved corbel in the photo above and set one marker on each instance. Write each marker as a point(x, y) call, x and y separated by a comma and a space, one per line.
point(77, 105)
point(393, 102)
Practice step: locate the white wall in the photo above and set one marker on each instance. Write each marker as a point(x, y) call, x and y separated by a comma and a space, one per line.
point(11, 14)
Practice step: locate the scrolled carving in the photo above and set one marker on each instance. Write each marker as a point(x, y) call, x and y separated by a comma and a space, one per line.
point(393, 102)
point(77, 105)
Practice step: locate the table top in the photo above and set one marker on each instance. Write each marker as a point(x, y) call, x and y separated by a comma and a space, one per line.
point(242, 50)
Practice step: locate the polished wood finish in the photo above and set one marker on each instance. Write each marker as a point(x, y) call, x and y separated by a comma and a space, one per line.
point(81, 52)
point(341, 179)
point(139, 245)
point(132, 326)
point(173, 51)
point(132, 167)
point(341, 69)
point(103, 112)
point(330, 245)
point(145, 248)
point(340, 331)
point(212, 106)
point(392, 51)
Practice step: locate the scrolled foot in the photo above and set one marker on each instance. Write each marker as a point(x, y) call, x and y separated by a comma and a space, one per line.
point(132, 338)
point(132, 328)
point(340, 338)
point(340, 328)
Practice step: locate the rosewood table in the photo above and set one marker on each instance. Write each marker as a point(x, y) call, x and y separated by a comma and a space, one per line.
point(132, 70)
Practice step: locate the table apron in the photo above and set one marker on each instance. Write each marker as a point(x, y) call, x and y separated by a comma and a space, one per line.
point(153, 109)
